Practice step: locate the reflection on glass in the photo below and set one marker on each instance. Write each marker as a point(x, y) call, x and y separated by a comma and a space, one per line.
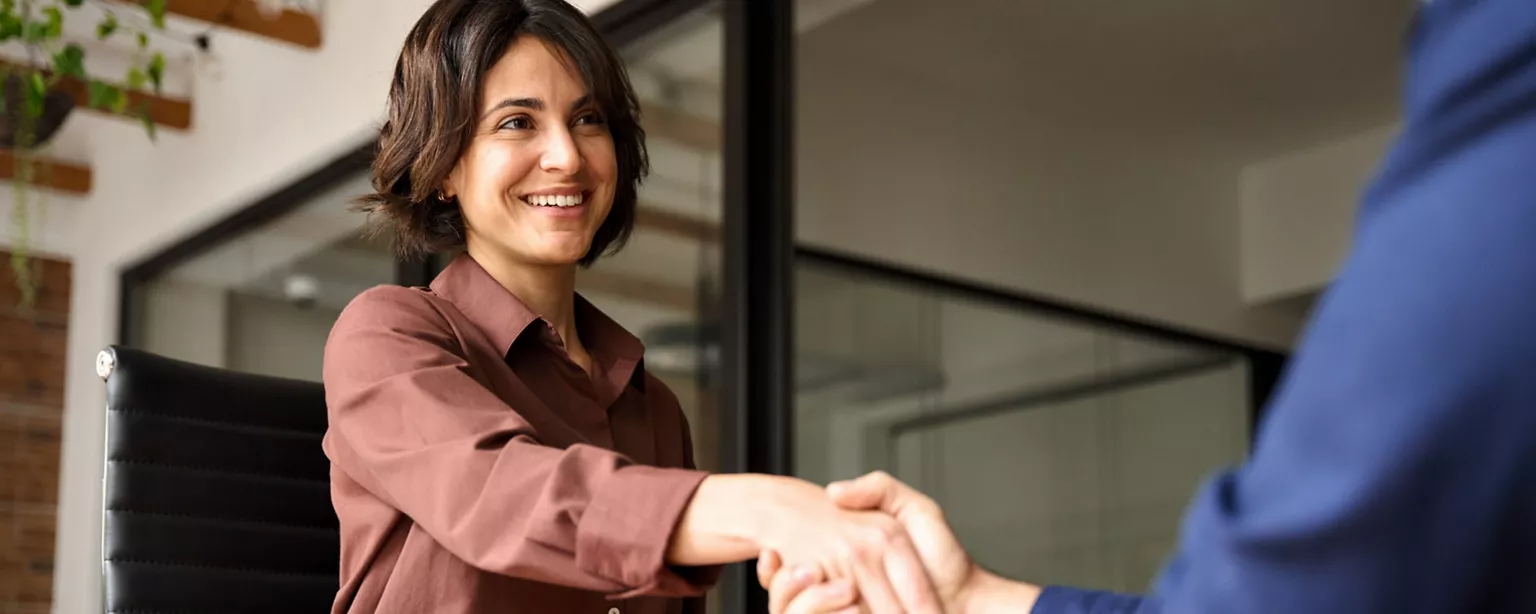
point(663, 285)
point(265, 301)
point(1062, 452)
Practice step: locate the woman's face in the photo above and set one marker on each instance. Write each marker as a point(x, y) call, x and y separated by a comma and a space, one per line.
point(538, 178)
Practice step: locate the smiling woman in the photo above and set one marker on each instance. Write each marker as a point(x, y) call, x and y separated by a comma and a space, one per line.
point(537, 180)
point(497, 442)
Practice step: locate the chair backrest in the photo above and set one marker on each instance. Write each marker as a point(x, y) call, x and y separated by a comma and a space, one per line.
point(217, 491)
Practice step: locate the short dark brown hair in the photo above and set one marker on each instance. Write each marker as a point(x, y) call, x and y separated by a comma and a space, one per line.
point(435, 98)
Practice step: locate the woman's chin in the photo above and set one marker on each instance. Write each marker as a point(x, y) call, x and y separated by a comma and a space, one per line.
point(559, 256)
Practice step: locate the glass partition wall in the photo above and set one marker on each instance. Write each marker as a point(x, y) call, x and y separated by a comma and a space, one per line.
point(1063, 449)
point(263, 301)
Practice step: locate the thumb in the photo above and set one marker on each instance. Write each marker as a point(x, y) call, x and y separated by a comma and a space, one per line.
point(875, 491)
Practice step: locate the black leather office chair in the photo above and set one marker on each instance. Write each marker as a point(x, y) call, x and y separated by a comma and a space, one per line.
point(217, 492)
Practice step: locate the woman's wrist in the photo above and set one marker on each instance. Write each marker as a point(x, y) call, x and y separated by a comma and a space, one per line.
point(730, 518)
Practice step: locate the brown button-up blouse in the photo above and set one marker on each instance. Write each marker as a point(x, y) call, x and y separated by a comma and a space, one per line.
point(476, 468)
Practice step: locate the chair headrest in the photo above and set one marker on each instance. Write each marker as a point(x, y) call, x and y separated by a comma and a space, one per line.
point(143, 382)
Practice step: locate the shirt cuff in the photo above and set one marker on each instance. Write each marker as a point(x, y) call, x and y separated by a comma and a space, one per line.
point(1065, 600)
point(628, 525)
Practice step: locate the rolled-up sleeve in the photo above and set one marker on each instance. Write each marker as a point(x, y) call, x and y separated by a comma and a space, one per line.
point(707, 575)
point(411, 423)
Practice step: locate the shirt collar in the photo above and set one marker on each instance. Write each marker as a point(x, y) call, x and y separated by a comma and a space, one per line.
point(505, 318)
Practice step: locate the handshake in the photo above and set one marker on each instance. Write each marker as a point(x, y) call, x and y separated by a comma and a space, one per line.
point(867, 545)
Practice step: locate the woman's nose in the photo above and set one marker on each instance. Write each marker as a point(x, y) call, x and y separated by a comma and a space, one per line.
point(560, 153)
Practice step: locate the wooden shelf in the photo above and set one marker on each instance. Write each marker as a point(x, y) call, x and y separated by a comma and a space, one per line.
point(165, 111)
point(292, 26)
point(67, 177)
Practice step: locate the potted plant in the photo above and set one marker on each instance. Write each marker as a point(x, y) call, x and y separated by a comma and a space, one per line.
point(34, 101)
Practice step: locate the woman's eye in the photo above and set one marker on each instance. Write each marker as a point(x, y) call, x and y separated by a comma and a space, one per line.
point(517, 123)
point(589, 119)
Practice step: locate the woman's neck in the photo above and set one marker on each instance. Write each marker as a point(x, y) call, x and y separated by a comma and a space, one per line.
point(549, 291)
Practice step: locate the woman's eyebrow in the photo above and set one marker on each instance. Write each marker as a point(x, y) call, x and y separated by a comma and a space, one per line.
point(532, 104)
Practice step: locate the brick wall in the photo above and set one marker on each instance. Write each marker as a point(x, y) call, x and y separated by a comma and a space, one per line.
point(32, 346)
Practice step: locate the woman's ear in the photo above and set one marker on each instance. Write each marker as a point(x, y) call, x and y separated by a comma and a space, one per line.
point(450, 188)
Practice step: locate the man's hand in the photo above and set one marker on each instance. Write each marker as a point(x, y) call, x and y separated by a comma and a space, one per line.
point(947, 564)
point(959, 583)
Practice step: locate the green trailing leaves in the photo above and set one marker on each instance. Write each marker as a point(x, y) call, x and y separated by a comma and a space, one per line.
point(10, 26)
point(100, 95)
point(147, 120)
point(107, 27)
point(106, 96)
point(70, 61)
point(137, 78)
point(53, 27)
point(38, 25)
point(37, 91)
point(156, 10)
point(157, 70)
point(35, 32)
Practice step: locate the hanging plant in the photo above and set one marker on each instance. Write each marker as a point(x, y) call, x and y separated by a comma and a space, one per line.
point(34, 101)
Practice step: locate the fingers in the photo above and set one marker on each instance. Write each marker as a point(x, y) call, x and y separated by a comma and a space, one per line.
point(873, 491)
point(768, 564)
point(784, 587)
point(879, 491)
point(836, 597)
point(879, 538)
point(891, 576)
point(913, 587)
point(875, 586)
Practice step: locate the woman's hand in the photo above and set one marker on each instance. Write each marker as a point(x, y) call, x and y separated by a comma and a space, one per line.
point(802, 590)
point(738, 516)
point(871, 548)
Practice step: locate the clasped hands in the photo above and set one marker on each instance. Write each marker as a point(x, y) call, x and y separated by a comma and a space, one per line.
point(871, 544)
point(909, 561)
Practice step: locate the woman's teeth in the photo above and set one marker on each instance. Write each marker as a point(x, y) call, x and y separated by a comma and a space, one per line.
point(553, 200)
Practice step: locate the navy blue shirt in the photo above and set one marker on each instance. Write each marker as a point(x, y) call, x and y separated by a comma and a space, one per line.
point(1395, 470)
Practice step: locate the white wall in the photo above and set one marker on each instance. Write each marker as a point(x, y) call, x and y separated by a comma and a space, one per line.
point(894, 167)
point(1298, 213)
point(277, 113)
